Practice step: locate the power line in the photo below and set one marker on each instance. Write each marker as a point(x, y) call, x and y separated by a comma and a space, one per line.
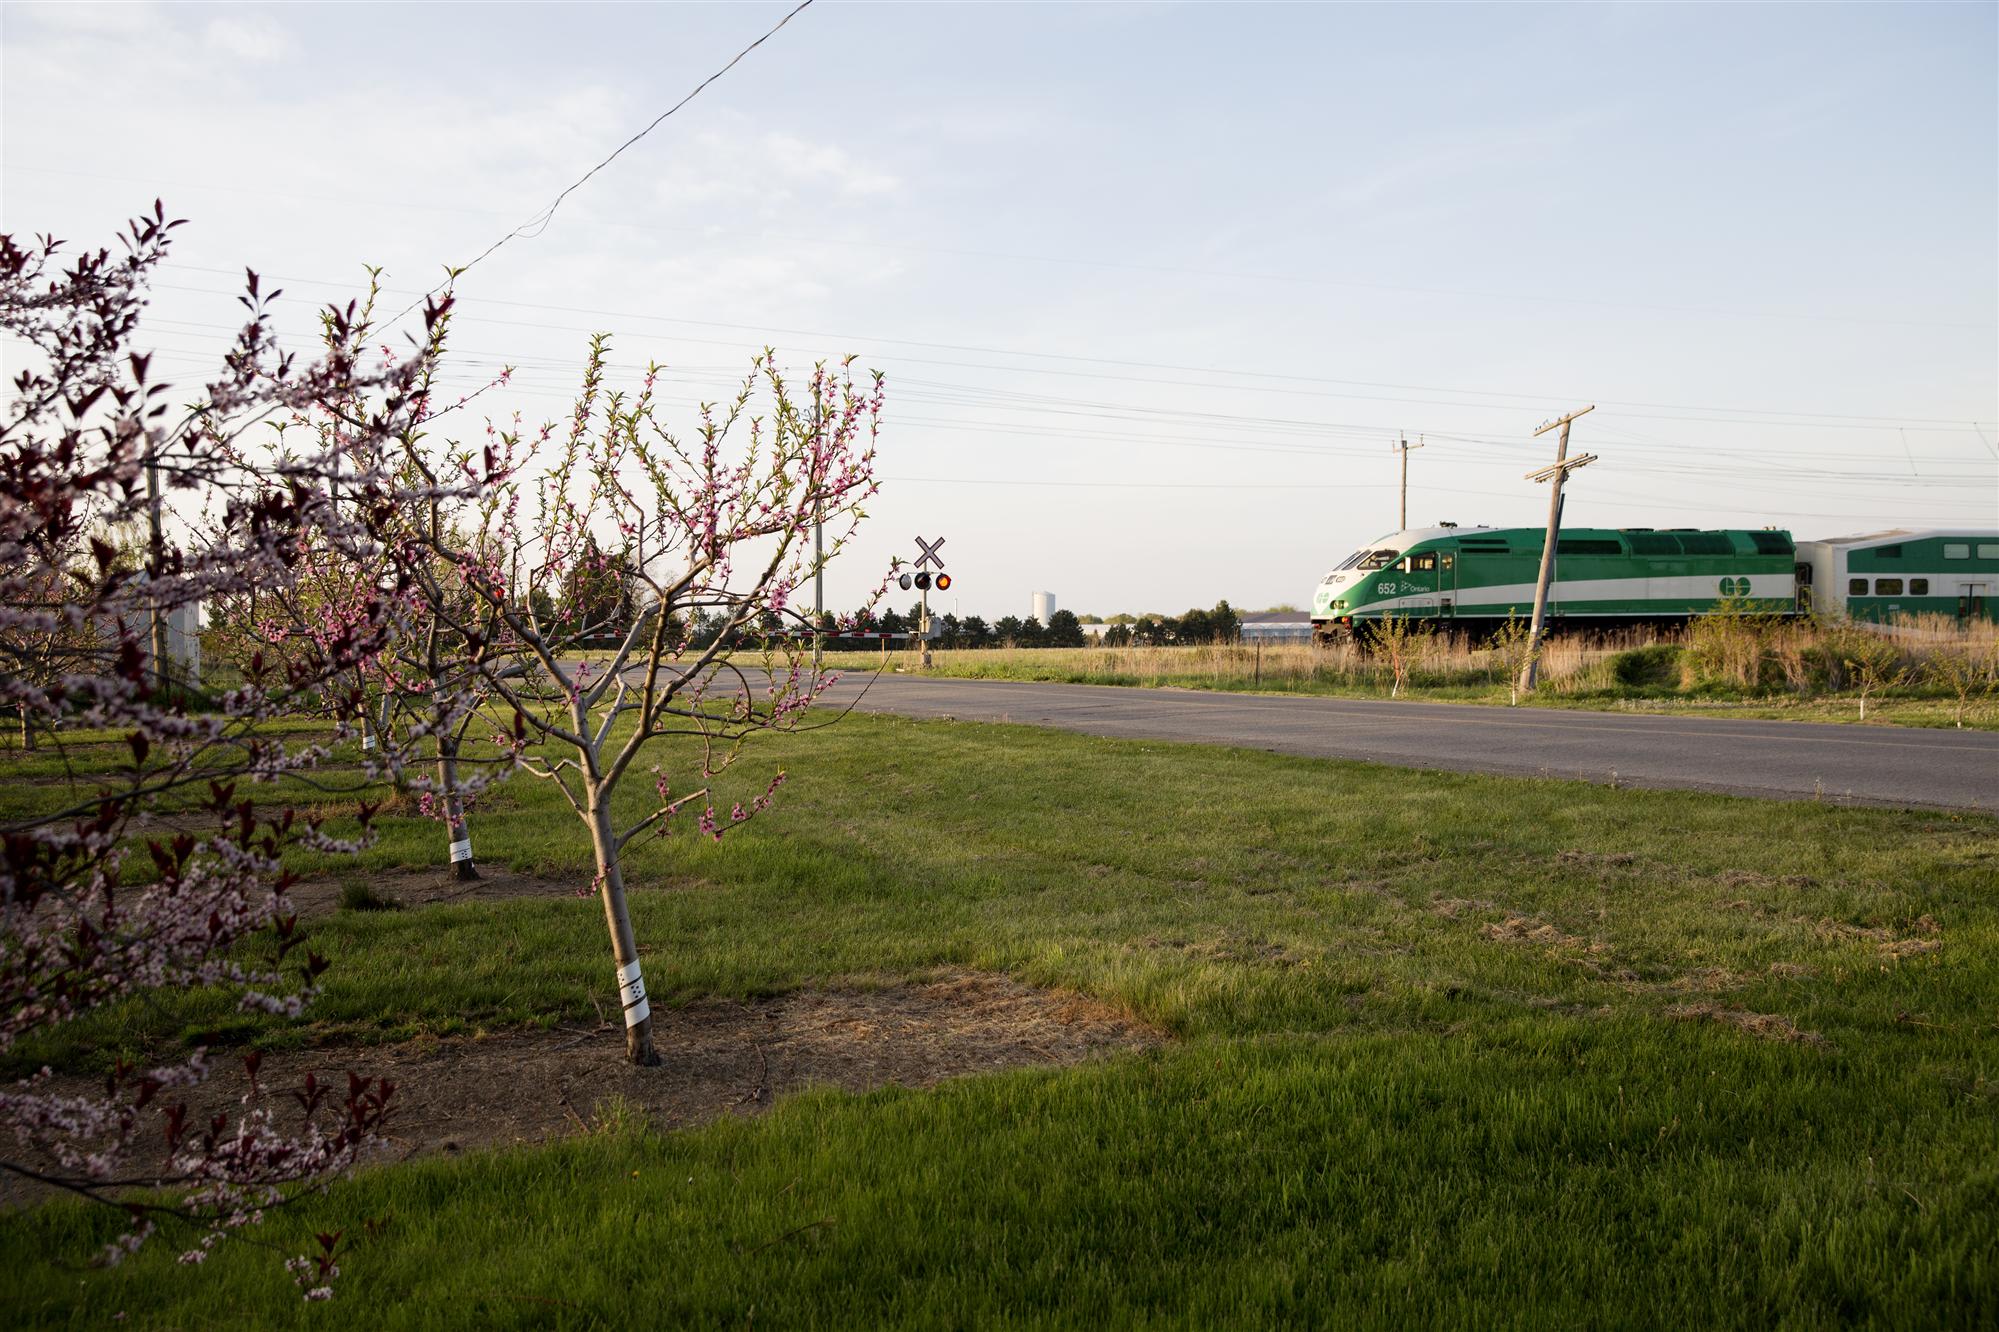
point(991, 398)
point(537, 224)
point(1721, 414)
point(1307, 437)
point(1290, 486)
point(1743, 479)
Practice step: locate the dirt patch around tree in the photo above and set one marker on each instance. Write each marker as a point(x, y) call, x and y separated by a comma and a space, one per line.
point(428, 887)
point(719, 1058)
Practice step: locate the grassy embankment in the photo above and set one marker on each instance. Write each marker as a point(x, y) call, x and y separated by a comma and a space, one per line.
point(1451, 1050)
point(1740, 668)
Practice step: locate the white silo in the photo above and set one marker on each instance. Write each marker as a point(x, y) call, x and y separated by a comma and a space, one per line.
point(1044, 606)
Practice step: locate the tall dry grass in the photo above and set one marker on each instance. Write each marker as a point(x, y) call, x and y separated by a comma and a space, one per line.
point(1727, 656)
point(1435, 663)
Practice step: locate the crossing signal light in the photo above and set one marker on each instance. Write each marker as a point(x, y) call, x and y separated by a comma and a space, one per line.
point(943, 582)
point(923, 582)
point(905, 581)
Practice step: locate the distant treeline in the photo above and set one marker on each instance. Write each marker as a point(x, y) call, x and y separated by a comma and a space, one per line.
point(1218, 625)
point(604, 605)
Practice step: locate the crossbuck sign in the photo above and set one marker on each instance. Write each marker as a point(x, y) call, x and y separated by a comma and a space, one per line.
point(929, 555)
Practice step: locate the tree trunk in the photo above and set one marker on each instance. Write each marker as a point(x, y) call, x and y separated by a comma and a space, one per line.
point(454, 810)
point(28, 729)
point(624, 947)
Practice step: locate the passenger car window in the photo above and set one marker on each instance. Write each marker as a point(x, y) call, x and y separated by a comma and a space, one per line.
point(1919, 587)
point(1957, 550)
point(1887, 587)
point(1988, 550)
point(1856, 587)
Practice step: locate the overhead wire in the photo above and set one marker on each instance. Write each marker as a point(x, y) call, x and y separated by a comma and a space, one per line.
point(1715, 413)
point(538, 224)
point(991, 399)
point(983, 398)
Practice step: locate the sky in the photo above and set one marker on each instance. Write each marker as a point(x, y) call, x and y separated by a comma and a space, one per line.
point(1155, 288)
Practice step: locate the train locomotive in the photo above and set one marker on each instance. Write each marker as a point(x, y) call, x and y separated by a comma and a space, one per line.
point(1471, 580)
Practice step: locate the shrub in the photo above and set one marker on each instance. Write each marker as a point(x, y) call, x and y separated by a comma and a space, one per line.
point(1653, 667)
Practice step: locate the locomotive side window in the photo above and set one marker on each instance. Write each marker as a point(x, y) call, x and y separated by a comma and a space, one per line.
point(1957, 550)
point(1377, 559)
point(1919, 587)
point(1424, 562)
point(1887, 587)
point(1856, 587)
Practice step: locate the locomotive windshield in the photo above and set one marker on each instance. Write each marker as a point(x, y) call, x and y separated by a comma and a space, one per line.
point(1365, 559)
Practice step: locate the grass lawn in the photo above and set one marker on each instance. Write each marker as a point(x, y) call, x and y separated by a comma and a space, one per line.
point(1452, 1050)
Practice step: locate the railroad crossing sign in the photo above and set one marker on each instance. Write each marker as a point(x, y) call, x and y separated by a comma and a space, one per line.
point(929, 549)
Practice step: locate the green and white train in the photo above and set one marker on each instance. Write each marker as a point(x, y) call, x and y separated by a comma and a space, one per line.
point(1471, 580)
point(1886, 575)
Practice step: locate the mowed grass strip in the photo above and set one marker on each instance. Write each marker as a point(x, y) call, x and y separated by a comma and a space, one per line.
point(1454, 1049)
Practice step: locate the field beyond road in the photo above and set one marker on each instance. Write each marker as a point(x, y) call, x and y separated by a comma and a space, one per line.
point(1928, 673)
point(1432, 1049)
point(1946, 769)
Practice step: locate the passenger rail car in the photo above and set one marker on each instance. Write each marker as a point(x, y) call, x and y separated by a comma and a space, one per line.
point(1883, 576)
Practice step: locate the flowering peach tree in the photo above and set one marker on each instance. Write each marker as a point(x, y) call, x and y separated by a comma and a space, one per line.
point(413, 692)
point(648, 532)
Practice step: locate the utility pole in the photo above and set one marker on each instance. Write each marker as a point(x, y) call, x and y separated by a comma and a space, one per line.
point(156, 541)
point(1402, 446)
point(1563, 465)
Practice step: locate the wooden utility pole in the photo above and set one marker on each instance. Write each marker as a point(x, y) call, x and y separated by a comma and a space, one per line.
point(1402, 446)
point(1563, 465)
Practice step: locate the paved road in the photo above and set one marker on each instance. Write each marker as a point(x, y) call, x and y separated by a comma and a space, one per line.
point(1780, 760)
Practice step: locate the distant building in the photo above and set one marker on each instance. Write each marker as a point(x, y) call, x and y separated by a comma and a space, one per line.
point(1044, 606)
point(1277, 627)
point(183, 644)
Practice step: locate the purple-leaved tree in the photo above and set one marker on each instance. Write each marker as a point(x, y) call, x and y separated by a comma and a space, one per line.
point(105, 893)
